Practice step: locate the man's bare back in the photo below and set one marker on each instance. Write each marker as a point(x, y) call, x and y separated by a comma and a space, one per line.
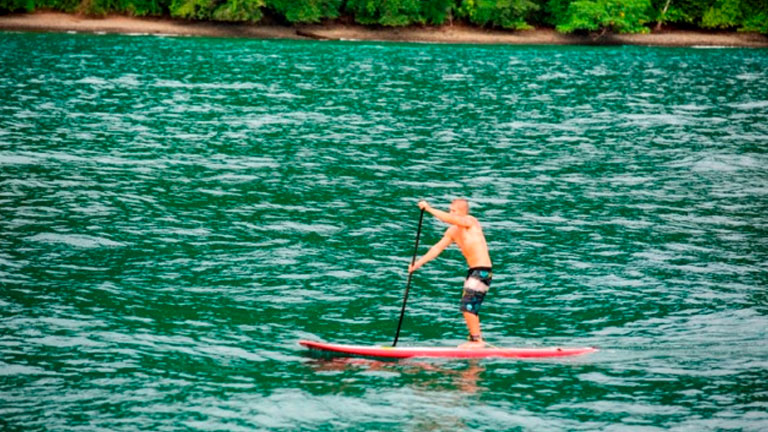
point(472, 243)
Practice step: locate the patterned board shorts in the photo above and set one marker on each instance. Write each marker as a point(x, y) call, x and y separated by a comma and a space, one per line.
point(475, 287)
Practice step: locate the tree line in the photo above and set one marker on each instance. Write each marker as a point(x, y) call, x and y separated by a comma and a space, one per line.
point(620, 16)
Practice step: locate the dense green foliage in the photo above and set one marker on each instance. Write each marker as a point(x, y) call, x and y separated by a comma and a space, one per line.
point(509, 14)
point(386, 12)
point(130, 7)
point(722, 14)
point(306, 11)
point(622, 16)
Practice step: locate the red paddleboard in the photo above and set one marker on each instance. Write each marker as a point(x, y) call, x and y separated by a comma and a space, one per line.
point(452, 352)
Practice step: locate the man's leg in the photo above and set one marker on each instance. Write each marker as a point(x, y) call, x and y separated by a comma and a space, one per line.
point(471, 299)
point(473, 325)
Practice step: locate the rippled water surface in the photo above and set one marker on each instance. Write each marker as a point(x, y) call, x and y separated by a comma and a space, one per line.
point(176, 213)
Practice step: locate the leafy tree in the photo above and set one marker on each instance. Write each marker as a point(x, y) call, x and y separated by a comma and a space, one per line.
point(146, 7)
point(92, 7)
point(392, 13)
point(436, 12)
point(239, 10)
point(192, 9)
point(556, 11)
point(754, 16)
point(723, 14)
point(756, 23)
point(621, 16)
point(687, 12)
point(60, 5)
point(662, 16)
point(509, 14)
point(17, 5)
point(129, 7)
point(306, 11)
point(227, 10)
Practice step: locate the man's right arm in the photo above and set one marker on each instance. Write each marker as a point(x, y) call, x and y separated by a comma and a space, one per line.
point(433, 252)
point(461, 221)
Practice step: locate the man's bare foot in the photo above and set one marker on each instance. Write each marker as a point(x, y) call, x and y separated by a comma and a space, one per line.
point(473, 345)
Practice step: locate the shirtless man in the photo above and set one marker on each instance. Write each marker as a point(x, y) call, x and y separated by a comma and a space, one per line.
point(466, 232)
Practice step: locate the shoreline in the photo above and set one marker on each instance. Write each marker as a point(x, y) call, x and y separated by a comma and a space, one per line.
point(45, 21)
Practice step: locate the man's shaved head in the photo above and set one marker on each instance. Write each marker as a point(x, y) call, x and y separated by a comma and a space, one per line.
point(461, 205)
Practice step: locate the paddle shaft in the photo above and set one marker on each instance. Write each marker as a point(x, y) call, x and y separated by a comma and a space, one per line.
point(410, 275)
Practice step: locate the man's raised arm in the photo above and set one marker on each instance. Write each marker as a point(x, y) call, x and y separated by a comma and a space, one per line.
point(462, 221)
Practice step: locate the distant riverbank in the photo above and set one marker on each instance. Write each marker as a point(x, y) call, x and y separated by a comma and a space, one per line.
point(61, 22)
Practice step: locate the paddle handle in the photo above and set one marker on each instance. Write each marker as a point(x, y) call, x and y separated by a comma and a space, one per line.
point(410, 275)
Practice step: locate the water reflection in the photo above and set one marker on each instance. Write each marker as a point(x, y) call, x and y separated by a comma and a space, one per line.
point(463, 376)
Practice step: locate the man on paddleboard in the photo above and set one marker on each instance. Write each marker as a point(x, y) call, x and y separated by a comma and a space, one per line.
point(466, 232)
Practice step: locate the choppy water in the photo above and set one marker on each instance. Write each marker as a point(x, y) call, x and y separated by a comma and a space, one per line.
point(175, 213)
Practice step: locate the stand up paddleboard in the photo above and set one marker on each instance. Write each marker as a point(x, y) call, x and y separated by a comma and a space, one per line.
point(448, 352)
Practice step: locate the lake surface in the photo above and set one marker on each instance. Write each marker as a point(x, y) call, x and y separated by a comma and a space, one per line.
point(176, 213)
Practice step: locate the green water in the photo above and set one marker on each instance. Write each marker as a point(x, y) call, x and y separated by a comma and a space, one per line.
point(176, 213)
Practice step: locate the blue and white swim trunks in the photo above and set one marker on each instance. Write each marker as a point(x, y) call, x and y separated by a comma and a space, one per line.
point(476, 285)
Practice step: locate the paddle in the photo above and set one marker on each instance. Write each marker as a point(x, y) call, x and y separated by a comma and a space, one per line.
point(410, 274)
